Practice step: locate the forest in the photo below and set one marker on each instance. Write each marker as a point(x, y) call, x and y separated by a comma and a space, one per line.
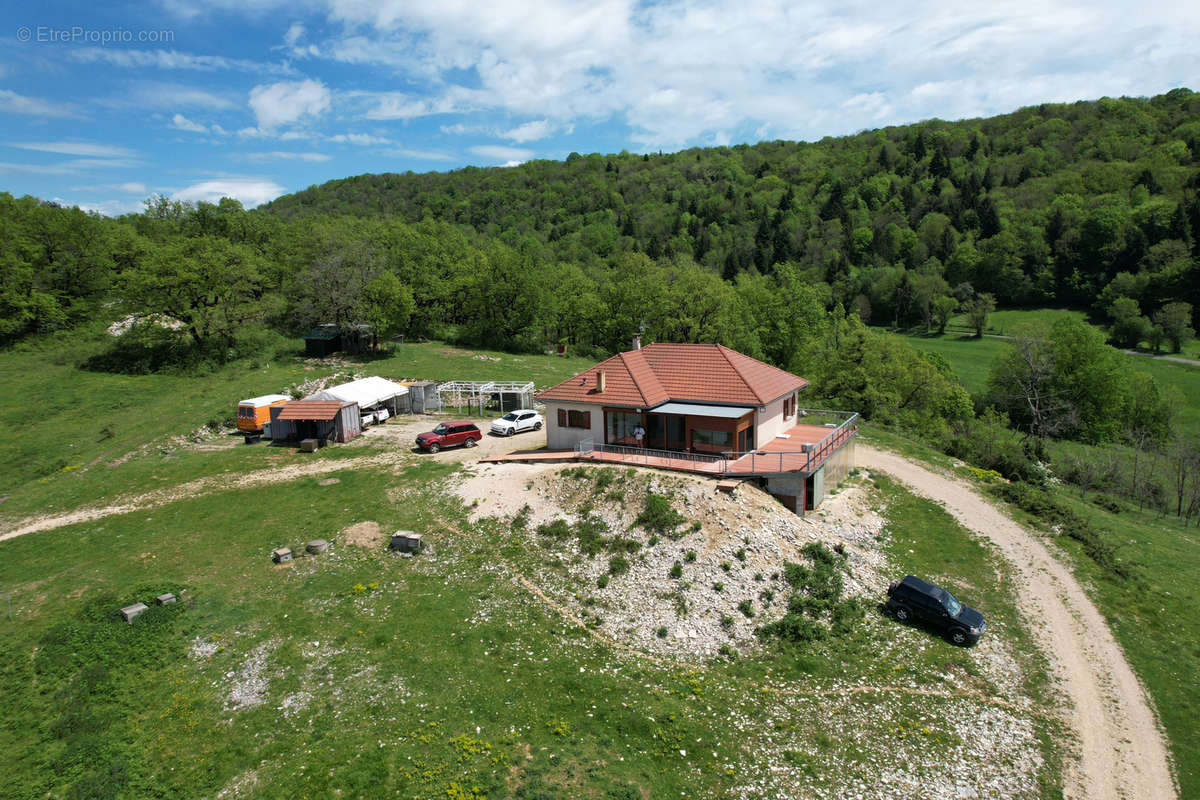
point(792, 252)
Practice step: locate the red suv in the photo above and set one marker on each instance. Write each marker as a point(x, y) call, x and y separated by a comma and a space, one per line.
point(449, 434)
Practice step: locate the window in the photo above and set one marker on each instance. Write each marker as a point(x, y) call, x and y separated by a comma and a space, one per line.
point(789, 407)
point(621, 425)
point(712, 441)
point(570, 418)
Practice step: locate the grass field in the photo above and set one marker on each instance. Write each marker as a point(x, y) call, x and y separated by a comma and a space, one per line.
point(1003, 323)
point(972, 360)
point(359, 673)
point(65, 426)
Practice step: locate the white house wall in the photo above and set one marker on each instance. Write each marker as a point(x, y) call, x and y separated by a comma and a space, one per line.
point(770, 423)
point(559, 438)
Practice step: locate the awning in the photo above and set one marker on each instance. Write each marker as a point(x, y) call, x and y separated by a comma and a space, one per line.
point(697, 410)
point(311, 410)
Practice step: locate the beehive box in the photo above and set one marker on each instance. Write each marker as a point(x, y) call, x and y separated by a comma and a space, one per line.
point(130, 613)
point(406, 542)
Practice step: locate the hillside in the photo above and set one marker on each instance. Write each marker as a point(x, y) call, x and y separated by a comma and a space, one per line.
point(1044, 205)
point(485, 666)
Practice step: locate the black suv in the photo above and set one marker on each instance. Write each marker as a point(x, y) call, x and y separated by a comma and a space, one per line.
point(913, 598)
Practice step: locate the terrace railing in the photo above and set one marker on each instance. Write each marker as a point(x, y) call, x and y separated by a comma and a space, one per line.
point(645, 455)
point(805, 459)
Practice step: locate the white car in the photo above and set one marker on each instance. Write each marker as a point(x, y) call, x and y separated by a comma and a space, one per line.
point(517, 421)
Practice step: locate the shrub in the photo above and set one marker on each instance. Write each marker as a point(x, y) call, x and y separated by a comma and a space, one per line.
point(658, 516)
point(726, 622)
point(676, 571)
point(816, 607)
point(741, 554)
point(689, 556)
point(747, 608)
point(618, 565)
point(1050, 511)
point(661, 631)
point(520, 522)
point(602, 581)
point(725, 565)
point(604, 479)
point(718, 587)
point(557, 529)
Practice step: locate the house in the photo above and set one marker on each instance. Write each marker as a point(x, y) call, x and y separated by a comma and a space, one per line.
point(702, 408)
point(688, 397)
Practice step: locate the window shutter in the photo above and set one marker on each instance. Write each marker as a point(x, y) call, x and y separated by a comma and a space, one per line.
point(562, 418)
point(587, 419)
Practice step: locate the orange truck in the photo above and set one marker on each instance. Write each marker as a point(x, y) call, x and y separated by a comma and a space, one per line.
point(252, 414)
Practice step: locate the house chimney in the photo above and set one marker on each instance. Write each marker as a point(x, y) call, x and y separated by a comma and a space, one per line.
point(637, 341)
point(600, 382)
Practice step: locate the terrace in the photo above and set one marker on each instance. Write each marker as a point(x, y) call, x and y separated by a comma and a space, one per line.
point(802, 449)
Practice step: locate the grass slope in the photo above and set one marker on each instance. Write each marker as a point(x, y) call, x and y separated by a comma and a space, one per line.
point(1154, 616)
point(360, 673)
point(66, 426)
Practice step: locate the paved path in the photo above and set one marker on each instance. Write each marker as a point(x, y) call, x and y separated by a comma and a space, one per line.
point(1191, 362)
point(1122, 752)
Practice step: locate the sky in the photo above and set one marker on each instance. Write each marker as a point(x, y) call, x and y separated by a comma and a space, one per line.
point(105, 104)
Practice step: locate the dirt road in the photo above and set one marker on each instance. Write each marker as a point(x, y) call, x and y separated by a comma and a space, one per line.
point(1122, 752)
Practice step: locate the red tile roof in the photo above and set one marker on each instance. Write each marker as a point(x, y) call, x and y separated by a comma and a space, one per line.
point(698, 373)
point(312, 409)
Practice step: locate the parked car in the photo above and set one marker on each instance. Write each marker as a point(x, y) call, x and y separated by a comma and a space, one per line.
point(516, 421)
point(915, 599)
point(450, 434)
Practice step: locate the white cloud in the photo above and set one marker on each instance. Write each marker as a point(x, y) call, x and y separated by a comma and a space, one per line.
point(294, 34)
point(132, 187)
point(681, 72)
point(361, 139)
point(86, 149)
point(250, 192)
point(530, 131)
point(418, 155)
point(154, 95)
point(13, 103)
point(107, 163)
point(182, 123)
point(497, 152)
point(37, 169)
point(288, 156)
point(172, 59)
point(288, 101)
